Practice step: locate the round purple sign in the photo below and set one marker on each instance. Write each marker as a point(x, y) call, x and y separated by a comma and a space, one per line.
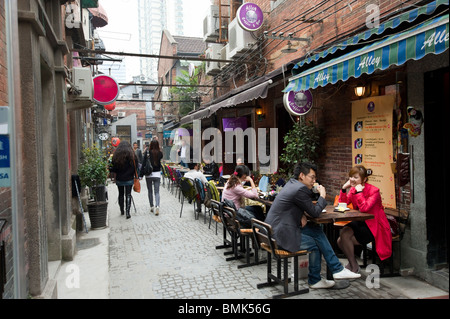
point(298, 103)
point(250, 16)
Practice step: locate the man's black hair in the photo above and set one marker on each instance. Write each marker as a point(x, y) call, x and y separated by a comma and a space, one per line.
point(304, 168)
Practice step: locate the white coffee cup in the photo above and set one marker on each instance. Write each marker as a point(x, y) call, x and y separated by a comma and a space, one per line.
point(342, 205)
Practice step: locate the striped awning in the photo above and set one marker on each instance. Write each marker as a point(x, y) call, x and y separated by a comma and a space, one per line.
point(429, 37)
point(408, 16)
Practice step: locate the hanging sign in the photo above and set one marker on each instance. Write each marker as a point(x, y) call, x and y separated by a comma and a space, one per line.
point(106, 89)
point(298, 103)
point(110, 107)
point(250, 16)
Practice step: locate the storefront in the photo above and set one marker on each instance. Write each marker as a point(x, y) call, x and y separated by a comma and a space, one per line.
point(394, 127)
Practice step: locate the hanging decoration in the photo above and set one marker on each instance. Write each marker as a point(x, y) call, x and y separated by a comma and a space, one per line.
point(110, 107)
point(415, 120)
point(115, 141)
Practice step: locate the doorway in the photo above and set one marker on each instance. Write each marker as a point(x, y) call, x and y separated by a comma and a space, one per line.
point(436, 97)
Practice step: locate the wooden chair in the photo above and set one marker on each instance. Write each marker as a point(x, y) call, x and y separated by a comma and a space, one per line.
point(212, 194)
point(263, 234)
point(240, 238)
point(401, 216)
point(201, 194)
point(188, 192)
point(216, 206)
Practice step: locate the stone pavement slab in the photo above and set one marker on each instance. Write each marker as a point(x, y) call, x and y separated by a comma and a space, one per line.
point(168, 257)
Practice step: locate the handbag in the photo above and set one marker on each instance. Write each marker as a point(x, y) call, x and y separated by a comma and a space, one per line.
point(148, 168)
point(136, 182)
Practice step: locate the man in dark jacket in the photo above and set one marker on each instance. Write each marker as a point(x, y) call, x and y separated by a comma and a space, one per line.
point(293, 233)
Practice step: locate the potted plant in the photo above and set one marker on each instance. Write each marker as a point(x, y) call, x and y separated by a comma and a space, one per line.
point(93, 172)
point(302, 145)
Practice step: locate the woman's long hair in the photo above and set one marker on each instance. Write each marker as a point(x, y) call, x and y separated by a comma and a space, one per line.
point(239, 171)
point(123, 155)
point(154, 151)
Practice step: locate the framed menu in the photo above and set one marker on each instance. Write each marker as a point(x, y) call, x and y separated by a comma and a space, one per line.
point(372, 142)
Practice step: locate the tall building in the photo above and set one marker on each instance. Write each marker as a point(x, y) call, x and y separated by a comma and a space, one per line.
point(154, 17)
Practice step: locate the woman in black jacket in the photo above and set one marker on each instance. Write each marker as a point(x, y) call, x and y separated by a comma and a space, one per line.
point(124, 164)
point(154, 179)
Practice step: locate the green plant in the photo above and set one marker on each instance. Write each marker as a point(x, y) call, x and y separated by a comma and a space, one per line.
point(302, 145)
point(93, 170)
point(188, 92)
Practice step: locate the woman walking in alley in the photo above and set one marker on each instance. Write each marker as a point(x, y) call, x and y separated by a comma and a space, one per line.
point(123, 165)
point(154, 179)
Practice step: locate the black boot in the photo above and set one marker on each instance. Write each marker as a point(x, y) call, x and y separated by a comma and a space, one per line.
point(121, 204)
point(128, 206)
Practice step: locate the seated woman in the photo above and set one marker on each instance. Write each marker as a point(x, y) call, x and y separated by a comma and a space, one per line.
point(367, 199)
point(235, 192)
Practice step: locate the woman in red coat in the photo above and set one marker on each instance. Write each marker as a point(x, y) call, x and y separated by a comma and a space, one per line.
point(367, 199)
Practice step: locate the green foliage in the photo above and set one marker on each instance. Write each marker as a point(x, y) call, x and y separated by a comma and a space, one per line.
point(93, 170)
point(184, 93)
point(302, 145)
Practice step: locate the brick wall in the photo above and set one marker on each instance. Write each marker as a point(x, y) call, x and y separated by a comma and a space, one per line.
point(5, 193)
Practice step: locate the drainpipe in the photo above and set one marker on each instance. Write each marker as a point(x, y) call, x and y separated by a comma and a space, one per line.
point(14, 101)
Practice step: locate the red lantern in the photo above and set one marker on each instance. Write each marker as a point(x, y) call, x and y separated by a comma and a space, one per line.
point(111, 106)
point(115, 141)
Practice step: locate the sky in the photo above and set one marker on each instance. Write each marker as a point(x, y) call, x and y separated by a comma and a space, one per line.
point(121, 33)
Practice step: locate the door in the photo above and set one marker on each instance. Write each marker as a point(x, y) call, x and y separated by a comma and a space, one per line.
point(437, 146)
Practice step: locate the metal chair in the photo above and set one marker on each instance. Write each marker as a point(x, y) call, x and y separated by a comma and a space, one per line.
point(263, 234)
point(201, 195)
point(188, 192)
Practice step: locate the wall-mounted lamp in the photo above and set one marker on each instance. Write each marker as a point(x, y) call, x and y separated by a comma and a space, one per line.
point(360, 89)
point(259, 113)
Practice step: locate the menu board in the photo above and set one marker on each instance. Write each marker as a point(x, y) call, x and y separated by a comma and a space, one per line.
point(372, 142)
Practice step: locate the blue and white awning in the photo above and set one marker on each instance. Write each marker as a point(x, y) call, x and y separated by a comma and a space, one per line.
point(428, 37)
point(409, 16)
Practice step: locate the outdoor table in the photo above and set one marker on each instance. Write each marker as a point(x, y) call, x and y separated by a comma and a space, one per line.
point(266, 202)
point(225, 176)
point(329, 217)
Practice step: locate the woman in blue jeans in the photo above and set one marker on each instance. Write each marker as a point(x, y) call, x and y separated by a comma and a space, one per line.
point(154, 179)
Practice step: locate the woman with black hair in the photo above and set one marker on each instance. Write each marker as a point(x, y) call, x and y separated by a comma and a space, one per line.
point(235, 191)
point(154, 179)
point(124, 165)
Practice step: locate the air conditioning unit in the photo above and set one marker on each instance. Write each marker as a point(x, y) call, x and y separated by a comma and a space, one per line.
point(239, 40)
point(211, 24)
point(83, 85)
point(121, 114)
point(224, 53)
point(213, 52)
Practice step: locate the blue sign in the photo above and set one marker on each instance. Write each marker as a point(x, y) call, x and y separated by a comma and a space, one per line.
point(5, 162)
point(4, 151)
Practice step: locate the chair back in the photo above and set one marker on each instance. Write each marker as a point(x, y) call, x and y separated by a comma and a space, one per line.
point(228, 216)
point(263, 235)
point(200, 188)
point(187, 188)
point(178, 176)
point(215, 206)
point(214, 191)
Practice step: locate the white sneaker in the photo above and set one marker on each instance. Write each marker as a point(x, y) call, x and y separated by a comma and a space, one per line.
point(157, 211)
point(346, 274)
point(151, 209)
point(323, 284)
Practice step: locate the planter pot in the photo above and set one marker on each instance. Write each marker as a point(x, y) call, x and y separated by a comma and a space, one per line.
point(99, 193)
point(97, 214)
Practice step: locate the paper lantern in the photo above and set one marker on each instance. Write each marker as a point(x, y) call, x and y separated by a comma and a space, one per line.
point(110, 107)
point(115, 141)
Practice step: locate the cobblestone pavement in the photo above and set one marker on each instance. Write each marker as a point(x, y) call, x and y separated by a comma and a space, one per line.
point(168, 257)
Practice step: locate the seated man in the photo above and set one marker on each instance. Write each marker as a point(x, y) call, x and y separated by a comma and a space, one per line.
point(193, 174)
point(293, 233)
